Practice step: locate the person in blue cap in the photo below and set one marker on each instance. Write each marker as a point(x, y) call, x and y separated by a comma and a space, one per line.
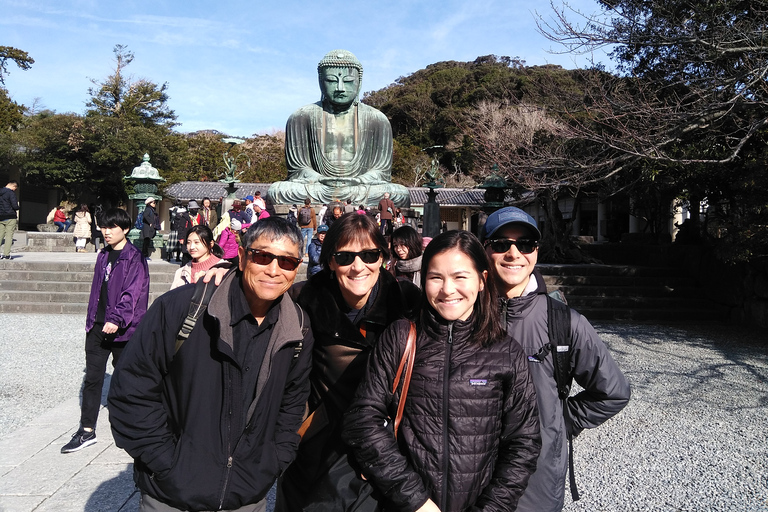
point(511, 239)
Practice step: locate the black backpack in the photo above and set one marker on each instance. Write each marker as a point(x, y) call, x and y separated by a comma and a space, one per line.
point(305, 216)
point(560, 342)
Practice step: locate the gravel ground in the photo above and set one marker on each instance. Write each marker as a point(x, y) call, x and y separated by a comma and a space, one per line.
point(693, 437)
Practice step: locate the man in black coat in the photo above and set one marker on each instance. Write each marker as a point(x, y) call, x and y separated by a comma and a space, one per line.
point(150, 224)
point(9, 205)
point(211, 424)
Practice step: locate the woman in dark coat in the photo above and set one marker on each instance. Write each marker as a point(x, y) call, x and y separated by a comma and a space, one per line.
point(350, 302)
point(150, 225)
point(469, 437)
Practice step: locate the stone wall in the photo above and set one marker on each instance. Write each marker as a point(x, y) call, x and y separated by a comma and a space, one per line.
point(741, 287)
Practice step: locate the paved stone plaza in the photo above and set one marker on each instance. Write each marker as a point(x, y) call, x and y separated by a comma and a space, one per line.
point(693, 437)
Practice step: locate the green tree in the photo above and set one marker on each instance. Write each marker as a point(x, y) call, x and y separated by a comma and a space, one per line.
point(20, 57)
point(690, 99)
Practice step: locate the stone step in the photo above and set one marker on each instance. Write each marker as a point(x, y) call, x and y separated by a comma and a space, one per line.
point(71, 286)
point(69, 297)
point(625, 291)
point(44, 307)
point(606, 270)
point(155, 276)
point(643, 315)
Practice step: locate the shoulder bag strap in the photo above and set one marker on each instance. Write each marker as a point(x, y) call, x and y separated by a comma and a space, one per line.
point(406, 362)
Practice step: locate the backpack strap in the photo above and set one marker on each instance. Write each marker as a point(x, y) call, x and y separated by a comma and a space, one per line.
point(559, 326)
point(198, 305)
point(560, 342)
point(304, 331)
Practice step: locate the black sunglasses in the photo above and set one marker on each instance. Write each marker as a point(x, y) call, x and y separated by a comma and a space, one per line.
point(260, 257)
point(525, 246)
point(344, 258)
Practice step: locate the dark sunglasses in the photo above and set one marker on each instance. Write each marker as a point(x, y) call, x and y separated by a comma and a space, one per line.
point(260, 257)
point(344, 258)
point(525, 246)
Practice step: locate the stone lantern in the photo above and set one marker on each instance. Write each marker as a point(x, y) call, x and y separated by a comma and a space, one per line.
point(145, 179)
point(495, 190)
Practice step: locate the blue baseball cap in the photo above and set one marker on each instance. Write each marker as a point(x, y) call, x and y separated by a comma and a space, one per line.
point(248, 198)
point(509, 215)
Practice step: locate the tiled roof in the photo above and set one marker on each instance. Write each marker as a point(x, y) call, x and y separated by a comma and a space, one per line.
point(449, 196)
point(187, 190)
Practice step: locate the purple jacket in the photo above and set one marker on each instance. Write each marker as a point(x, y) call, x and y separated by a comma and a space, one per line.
point(228, 243)
point(127, 291)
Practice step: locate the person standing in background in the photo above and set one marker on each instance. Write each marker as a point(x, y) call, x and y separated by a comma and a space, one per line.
point(118, 301)
point(9, 206)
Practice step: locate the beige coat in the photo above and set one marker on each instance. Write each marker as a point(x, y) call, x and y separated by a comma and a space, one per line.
point(82, 225)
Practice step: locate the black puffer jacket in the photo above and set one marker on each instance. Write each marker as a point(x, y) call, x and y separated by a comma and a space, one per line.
point(199, 440)
point(469, 439)
point(339, 361)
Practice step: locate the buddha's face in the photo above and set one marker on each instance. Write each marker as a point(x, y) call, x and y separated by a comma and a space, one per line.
point(340, 85)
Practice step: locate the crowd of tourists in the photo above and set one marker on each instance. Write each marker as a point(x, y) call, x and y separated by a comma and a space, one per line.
point(403, 374)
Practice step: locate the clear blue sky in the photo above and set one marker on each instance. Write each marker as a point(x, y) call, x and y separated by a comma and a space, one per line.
point(241, 67)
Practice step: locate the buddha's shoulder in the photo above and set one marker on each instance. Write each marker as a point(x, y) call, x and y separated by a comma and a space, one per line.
point(371, 112)
point(307, 111)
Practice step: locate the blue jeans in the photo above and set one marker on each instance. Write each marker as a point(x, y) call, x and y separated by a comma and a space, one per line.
point(306, 235)
point(63, 226)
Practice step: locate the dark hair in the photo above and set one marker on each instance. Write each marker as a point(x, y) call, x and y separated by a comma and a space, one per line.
point(84, 208)
point(274, 228)
point(206, 199)
point(116, 217)
point(307, 202)
point(487, 324)
point(348, 229)
point(206, 236)
point(408, 237)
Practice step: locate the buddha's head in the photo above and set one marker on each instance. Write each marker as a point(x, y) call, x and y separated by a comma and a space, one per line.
point(340, 75)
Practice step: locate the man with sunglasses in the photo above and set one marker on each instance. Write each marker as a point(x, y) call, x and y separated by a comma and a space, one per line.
point(212, 423)
point(511, 239)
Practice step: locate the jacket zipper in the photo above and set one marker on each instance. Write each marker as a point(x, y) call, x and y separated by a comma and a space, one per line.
point(446, 381)
point(229, 441)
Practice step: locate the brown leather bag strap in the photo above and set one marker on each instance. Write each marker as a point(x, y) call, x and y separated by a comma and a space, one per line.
point(407, 362)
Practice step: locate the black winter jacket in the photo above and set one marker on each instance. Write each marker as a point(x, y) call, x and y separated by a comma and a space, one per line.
point(150, 222)
point(606, 391)
point(469, 438)
point(8, 204)
point(174, 413)
point(339, 361)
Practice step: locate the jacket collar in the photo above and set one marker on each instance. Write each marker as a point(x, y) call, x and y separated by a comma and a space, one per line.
point(438, 328)
point(321, 296)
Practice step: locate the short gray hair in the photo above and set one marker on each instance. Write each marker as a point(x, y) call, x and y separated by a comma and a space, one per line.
point(273, 228)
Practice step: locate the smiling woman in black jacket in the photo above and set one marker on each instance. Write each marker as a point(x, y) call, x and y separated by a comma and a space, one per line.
point(350, 303)
point(469, 438)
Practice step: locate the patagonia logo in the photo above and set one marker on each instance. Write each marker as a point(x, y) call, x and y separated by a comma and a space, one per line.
point(478, 382)
point(563, 348)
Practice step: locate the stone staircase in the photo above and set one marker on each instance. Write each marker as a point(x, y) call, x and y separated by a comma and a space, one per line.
point(632, 293)
point(599, 292)
point(61, 287)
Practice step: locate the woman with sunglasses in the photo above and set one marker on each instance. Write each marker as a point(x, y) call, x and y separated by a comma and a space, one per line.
point(350, 302)
point(469, 437)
